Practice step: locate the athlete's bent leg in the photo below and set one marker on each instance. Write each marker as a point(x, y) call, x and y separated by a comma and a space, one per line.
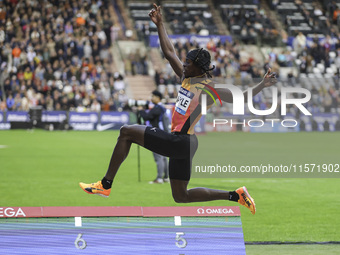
point(181, 194)
point(128, 134)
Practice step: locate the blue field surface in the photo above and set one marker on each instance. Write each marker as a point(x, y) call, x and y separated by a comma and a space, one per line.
point(122, 235)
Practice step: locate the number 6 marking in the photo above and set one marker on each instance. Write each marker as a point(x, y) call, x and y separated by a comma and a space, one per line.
point(180, 239)
point(78, 240)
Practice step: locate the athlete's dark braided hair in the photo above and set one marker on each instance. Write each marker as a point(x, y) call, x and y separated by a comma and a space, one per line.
point(201, 58)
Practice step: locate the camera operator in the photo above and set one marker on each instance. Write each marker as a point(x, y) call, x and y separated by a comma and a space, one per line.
point(155, 117)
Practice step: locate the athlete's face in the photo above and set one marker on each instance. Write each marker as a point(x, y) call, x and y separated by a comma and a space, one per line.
point(190, 69)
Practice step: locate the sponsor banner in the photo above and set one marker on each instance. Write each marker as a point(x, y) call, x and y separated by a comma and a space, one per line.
point(320, 122)
point(83, 117)
point(2, 117)
point(20, 212)
point(201, 40)
point(77, 211)
point(111, 211)
point(19, 116)
point(85, 121)
point(114, 117)
point(83, 126)
point(112, 120)
point(54, 116)
point(327, 121)
point(91, 211)
point(5, 126)
point(191, 211)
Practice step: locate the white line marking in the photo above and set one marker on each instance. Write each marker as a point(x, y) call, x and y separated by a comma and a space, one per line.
point(77, 221)
point(178, 221)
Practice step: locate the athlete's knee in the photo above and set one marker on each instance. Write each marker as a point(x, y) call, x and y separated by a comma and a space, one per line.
point(133, 133)
point(124, 131)
point(180, 197)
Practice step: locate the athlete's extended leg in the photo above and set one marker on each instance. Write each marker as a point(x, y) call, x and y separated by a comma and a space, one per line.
point(128, 135)
point(181, 194)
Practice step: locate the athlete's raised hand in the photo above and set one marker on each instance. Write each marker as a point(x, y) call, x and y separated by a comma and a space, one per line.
point(155, 14)
point(269, 78)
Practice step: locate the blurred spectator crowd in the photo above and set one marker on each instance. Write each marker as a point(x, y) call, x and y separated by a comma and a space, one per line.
point(56, 54)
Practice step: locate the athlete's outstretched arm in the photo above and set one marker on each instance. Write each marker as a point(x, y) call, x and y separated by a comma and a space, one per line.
point(269, 79)
point(166, 45)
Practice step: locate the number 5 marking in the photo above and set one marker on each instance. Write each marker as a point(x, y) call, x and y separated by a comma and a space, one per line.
point(80, 240)
point(179, 239)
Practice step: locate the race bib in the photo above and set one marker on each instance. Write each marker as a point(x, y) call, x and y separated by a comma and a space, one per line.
point(183, 100)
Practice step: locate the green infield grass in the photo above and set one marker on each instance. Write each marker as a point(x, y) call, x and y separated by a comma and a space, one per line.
point(292, 249)
point(42, 168)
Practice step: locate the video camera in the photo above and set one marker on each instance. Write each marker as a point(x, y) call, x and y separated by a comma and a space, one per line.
point(135, 103)
point(144, 103)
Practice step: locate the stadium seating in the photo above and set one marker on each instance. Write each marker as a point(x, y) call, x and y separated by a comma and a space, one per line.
point(302, 16)
point(183, 18)
point(246, 20)
point(190, 17)
point(139, 12)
